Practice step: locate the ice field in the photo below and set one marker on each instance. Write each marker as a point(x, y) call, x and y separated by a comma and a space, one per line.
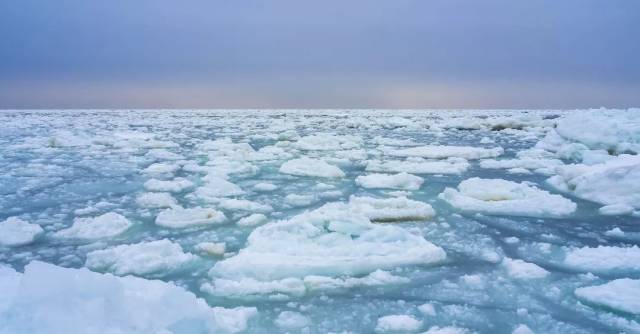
point(337, 221)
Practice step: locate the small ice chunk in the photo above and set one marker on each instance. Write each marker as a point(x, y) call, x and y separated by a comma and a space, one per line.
point(447, 330)
point(234, 204)
point(404, 181)
point(104, 226)
point(522, 329)
point(427, 309)
point(252, 220)
point(523, 270)
point(154, 257)
point(211, 248)
point(398, 323)
point(216, 187)
point(156, 200)
point(296, 200)
point(311, 167)
point(620, 294)
point(441, 152)
point(502, 197)
point(616, 210)
point(180, 218)
point(265, 187)
point(161, 168)
point(289, 320)
point(17, 232)
point(173, 186)
point(614, 232)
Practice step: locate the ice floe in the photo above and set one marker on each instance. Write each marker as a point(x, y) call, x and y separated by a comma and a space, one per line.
point(153, 257)
point(621, 294)
point(397, 323)
point(391, 209)
point(604, 259)
point(174, 186)
point(419, 166)
point(17, 232)
point(403, 181)
point(180, 217)
point(52, 299)
point(311, 167)
point(104, 226)
point(442, 152)
point(502, 197)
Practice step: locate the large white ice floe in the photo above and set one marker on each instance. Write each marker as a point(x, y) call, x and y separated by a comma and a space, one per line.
point(153, 257)
point(156, 200)
point(502, 197)
point(604, 259)
point(180, 218)
point(329, 241)
point(616, 181)
point(523, 270)
point(216, 187)
point(391, 209)
point(49, 299)
point(402, 181)
point(311, 167)
point(441, 152)
point(621, 294)
point(17, 232)
point(419, 166)
point(104, 226)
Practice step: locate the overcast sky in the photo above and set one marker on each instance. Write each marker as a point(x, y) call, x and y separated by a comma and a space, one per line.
point(319, 54)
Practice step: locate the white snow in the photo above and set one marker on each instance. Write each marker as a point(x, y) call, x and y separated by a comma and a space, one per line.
point(427, 309)
point(153, 257)
point(216, 187)
point(402, 181)
point(173, 186)
point(104, 226)
point(620, 294)
point(311, 167)
point(49, 299)
point(265, 187)
point(523, 270)
point(161, 168)
point(442, 152)
point(328, 142)
point(616, 210)
point(522, 329)
point(447, 330)
point(180, 218)
point(295, 200)
point(398, 323)
point(17, 232)
point(502, 197)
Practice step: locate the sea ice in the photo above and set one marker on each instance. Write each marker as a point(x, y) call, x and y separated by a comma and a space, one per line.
point(311, 167)
point(17, 232)
point(502, 197)
point(398, 323)
point(180, 218)
point(104, 226)
point(402, 181)
point(621, 294)
point(153, 257)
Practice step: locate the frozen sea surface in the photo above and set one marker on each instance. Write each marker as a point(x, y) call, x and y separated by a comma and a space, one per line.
point(336, 221)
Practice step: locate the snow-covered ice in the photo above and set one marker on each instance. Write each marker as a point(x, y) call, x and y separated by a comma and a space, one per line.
point(17, 232)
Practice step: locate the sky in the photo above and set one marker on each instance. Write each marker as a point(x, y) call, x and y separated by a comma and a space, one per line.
point(319, 54)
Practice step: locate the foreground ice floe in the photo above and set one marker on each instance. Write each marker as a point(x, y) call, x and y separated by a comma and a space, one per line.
point(51, 299)
point(329, 241)
point(604, 259)
point(502, 197)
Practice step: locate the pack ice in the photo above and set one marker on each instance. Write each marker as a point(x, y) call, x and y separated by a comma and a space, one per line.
point(320, 221)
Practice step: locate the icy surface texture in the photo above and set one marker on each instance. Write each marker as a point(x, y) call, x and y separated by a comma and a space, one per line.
point(328, 221)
